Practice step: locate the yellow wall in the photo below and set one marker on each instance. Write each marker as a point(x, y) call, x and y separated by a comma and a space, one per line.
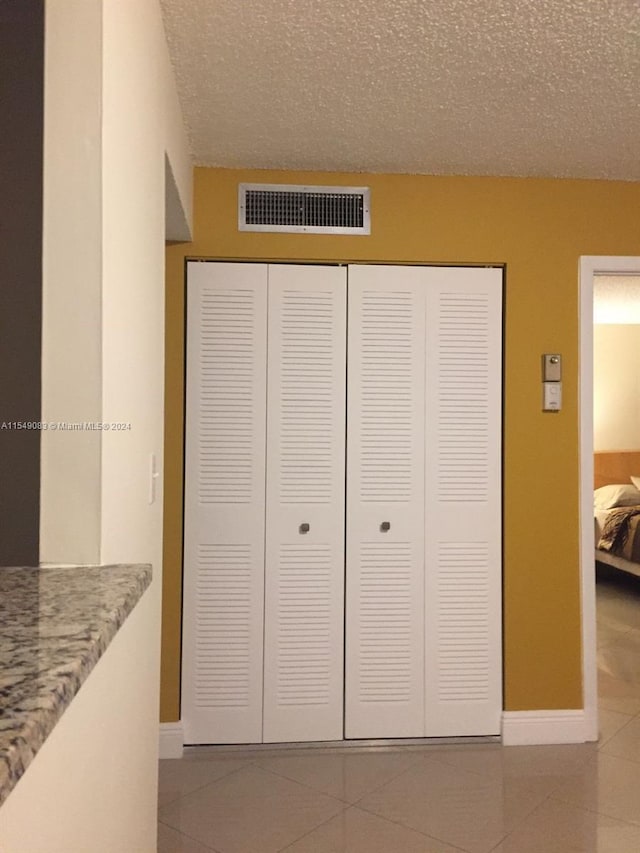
point(539, 229)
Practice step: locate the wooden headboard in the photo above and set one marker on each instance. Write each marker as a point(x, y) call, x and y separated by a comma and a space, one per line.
point(615, 466)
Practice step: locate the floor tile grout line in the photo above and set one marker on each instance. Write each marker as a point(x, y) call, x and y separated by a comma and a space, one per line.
point(521, 822)
point(595, 811)
point(321, 824)
point(594, 760)
point(505, 778)
point(190, 837)
point(303, 784)
point(359, 805)
point(525, 817)
point(615, 734)
point(356, 807)
point(421, 757)
point(203, 761)
point(631, 717)
point(409, 828)
point(202, 787)
point(618, 711)
point(345, 805)
point(340, 799)
point(255, 763)
point(615, 757)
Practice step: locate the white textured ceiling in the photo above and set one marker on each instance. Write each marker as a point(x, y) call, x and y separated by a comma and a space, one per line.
point(499, 87)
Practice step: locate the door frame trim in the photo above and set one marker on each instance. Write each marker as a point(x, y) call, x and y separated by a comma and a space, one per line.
point(589, 267)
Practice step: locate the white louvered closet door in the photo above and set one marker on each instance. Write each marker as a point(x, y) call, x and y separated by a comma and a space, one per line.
point(463, 502)
point(384, 687)
point(304, 581)
point(224, 503)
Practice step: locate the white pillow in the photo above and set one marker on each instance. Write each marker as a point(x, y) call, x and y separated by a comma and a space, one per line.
point(608, 497)
point(636, 482)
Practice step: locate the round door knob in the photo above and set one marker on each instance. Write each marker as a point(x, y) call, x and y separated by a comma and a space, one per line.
point(386, 525)
point(304, 527)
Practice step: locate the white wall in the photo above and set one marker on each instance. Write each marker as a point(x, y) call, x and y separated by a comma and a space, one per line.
point(72, 281)
point(88, 788)
point(616, 299)
point(133, 152)
point(112, 119)
point(112, 128)
point(616, 387)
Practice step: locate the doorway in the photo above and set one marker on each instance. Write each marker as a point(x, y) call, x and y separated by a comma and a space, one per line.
point(590, 267)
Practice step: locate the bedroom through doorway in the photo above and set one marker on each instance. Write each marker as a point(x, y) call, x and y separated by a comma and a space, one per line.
point(610, 454)
point(616, 444)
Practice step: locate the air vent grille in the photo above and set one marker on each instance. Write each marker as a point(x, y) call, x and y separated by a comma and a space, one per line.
point(312, 210)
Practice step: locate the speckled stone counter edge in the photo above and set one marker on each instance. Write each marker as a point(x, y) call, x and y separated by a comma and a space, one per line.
point(25, 730)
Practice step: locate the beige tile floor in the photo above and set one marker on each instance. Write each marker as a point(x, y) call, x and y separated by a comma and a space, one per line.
point(432, 799)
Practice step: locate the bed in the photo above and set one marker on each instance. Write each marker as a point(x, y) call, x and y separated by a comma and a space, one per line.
point(617, 501)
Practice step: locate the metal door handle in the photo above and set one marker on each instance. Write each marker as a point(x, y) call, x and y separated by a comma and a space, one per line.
point(304, 527)
point(386, 525)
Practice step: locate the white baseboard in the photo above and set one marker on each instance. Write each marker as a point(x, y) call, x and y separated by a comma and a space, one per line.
point(171, 740)
point(521, 728)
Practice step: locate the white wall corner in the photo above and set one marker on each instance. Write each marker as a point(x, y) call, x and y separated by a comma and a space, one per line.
point(171, 740)
point(526, 728)
point(177, 225)
point(179, 165)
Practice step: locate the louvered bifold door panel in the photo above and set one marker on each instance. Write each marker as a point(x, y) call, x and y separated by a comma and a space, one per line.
point(224, 503)
point(463, 502)
point(385, 504)
point(304, 606)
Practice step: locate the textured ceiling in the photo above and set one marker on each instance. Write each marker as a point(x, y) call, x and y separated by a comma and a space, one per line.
point(500, 87)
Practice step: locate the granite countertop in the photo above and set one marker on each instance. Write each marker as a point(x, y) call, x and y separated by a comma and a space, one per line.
point(55, 623)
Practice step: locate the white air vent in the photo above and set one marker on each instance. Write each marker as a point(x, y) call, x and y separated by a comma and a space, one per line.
point(312, 210)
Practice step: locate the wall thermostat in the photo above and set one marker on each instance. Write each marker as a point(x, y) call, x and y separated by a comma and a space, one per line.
point(551, 382)
point(552, 367)
point(552, 396)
